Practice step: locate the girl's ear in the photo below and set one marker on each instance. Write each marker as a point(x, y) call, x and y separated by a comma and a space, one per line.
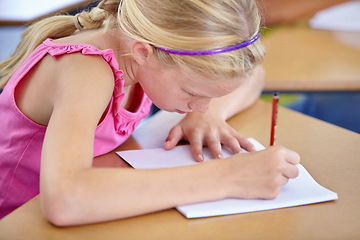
point(141, 51)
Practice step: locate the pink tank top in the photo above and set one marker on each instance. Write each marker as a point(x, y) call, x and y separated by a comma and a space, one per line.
point(21, 139)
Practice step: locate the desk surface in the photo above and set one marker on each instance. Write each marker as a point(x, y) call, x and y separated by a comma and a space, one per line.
point(302, 59)
point(329, 153)
point(26, 11)
point(287, 11)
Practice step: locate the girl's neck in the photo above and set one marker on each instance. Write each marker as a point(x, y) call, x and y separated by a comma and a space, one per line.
point(110, 39)
point(121, 45)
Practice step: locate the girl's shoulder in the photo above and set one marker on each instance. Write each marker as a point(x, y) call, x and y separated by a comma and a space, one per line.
point(81, 58)
point(58, 77)
point(82, 84)
point(83, 71)
point(79, 66)
point(87, 49)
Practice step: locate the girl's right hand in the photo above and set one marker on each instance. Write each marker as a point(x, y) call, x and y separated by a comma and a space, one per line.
point(260, 174)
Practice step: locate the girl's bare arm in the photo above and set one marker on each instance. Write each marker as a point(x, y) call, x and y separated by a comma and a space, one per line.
point(72, 192)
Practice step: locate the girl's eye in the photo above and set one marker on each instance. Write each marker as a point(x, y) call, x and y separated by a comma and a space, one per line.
point(191, 94)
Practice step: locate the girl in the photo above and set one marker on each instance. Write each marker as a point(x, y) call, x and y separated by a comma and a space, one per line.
point(77, 86)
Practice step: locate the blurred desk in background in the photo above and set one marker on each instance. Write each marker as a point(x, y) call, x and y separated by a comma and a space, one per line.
point(277, 12)
point(303, 59)
point(19, 12)
point(321, 68)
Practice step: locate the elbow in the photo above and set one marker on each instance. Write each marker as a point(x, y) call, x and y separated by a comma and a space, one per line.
point(55, 217)
point(56, 212)
point(59, 207)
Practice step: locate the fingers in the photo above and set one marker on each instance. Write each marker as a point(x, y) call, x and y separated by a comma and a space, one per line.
point(283, 180)
point(196, 145)
point(292, 157)
point(237, 142)
point(207, 131)
point(291, 171)
point(244, 143)
point(233, 144)
point(198, 139)
point(214, 143)
point(213, 138)
point(289, 156)
point(215, 147)
point(261, 174)
point(289, 161)
point(175, 135)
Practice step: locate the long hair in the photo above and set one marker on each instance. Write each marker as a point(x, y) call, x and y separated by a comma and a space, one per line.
point(186, 24)
point(56, 27)
point(197, 25)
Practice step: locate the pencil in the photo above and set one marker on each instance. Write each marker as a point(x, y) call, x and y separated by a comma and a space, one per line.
point(275, 100)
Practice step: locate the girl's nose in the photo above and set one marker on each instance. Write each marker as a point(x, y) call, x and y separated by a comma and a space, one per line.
point(200, 105)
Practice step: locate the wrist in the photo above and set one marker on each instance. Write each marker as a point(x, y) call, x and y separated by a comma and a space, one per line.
point(219, 175)
point(212, 113)
point(217, 111)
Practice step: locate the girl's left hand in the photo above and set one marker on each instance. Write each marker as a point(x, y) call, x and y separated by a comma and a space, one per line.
point(206, 129)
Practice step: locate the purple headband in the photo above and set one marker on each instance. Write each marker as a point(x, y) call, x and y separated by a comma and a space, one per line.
point(211, 51)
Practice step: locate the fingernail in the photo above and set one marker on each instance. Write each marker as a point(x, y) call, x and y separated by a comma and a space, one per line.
point(166, 144)
point(220, 156)
point(200, 158)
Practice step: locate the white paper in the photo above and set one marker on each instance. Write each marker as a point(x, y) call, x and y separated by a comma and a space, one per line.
point(153, 131)
point(342, 17)
point(177, 157)
point(299, 191)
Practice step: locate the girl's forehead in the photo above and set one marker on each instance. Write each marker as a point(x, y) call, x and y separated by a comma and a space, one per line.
point(222, 82)
point(209, 77)
point(212, 87)
point(191, 79)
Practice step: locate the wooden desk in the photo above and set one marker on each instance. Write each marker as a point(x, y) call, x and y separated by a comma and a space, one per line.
point(302, 59)
point(21, 12)
point(330, 154)
point(277, 12)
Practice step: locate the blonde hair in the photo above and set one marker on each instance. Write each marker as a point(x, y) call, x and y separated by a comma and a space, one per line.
point(197, 25)
point(187, 25)
point(57, 27)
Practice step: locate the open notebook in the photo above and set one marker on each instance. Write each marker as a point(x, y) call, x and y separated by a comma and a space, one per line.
point(299, 191)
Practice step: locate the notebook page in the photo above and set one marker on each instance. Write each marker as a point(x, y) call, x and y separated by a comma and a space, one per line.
point(299, 191)
point(179, 156)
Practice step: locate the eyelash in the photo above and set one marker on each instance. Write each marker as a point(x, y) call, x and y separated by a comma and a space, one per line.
point(189, 93)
